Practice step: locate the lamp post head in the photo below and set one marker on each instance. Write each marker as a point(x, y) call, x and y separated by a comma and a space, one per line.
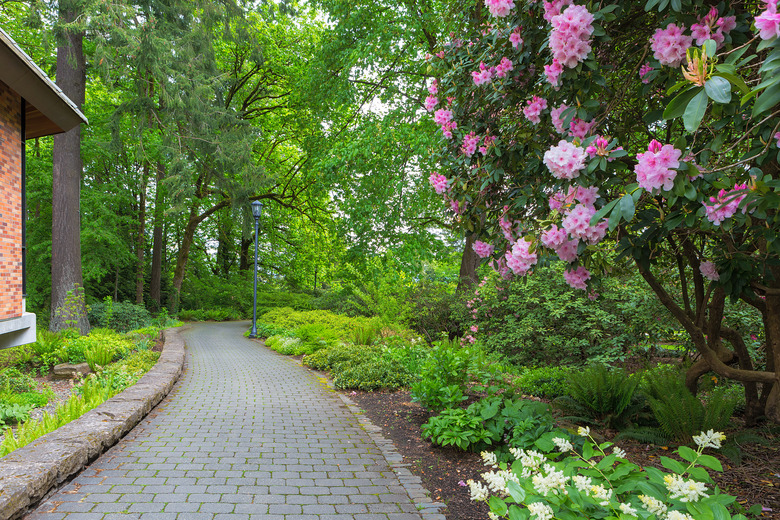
point(257, 209)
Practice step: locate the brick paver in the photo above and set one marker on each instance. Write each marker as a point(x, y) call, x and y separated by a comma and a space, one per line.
point(245, 434)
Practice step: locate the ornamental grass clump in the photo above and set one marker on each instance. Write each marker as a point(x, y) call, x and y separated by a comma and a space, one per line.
point(599, 482)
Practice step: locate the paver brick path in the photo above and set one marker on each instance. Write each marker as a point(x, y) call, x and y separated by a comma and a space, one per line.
point(245, 434)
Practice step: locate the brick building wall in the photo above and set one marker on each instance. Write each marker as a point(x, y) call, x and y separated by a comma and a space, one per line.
point(10, 203)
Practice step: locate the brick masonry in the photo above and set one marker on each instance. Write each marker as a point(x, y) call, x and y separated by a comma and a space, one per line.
point(10, 203)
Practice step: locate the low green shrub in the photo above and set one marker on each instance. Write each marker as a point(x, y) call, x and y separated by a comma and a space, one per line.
point(344, 327)
point(14, 381)
point(548, 381)
point(128, 371)
point(14, 413)
point(317, 360)
point(599, 395)
point(373, 374)
point(45, 347)
point(101, 344)
point(33, 399)
point(286, 345)
point(120, 316)
point(214, 314)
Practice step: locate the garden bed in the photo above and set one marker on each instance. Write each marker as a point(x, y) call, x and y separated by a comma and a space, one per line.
point(756, 480)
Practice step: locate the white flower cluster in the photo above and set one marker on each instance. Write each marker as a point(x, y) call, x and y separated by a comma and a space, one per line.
point(497, 480)
point(582, 483)
point(711, 439)
point(479, 492)
point(601, 493)
point(685, 490)
point(541, 510)
point(563, 445)
point(551, 482)
point(621, 454)
point(489, 458)
point(627, 509)
point(531, 461)
point(653, 505)
point(583, 431)
point(678, 515)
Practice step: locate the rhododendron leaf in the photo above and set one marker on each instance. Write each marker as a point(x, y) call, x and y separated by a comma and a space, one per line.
point(690, 192)
point(602, 212)
point(676, 107)
point(718, 89)
point(763, 44)
point(677, 86)
point(677, 5)
point(695, 110)
point(673, 222)
point(768, 99)
point(767, 83)
point(735, 55)
point(614, 218)
point(710, 46)
point(726, 68)
point(650, 4)
point(516, 492)
point(627, 207)
point(662, 5)
point(592, 165)
point(710, 462)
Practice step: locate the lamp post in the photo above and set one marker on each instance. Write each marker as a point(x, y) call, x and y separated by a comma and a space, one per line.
point(257, 209)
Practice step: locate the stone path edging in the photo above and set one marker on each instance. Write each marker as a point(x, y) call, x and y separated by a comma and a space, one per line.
point(28, 474)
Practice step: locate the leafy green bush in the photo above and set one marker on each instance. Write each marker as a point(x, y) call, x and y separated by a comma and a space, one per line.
point(128, 371)
point(213, 314)
point(599, 395)
point(14, 413)
point(549, 382)
point(13, 380)
point(120, 316)
point(100, 343)
point(33, 399)
point(266, 330)
point(46, 345)
point(372, 374)
point(679, 413)
point(286, 345)
point(433, 310)
point(344, 327)
point(317, 360)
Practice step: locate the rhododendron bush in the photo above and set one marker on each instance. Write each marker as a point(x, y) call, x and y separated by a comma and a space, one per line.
point(574, 129)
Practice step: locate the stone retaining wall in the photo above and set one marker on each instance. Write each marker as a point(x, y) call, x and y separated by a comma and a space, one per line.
point(28, 474)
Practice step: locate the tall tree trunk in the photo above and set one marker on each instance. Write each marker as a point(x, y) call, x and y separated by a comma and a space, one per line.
point(183, 256)
point(467, 276)
point(140, 241)
point(66, 276)
point(243, 256)
point(155, 285)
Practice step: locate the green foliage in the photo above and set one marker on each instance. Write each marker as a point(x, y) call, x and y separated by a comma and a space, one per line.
point(372, 374)
point(546, 381)
point(541, 321)
point(286, 345)
point(120, 316)
point(490, 422)
point(73, 307)
point(343, 326)
point(433, 309)
point(14, 413)
point(101, 344)
point(14, 381)
point(128, 371)
point(600, 395)
point(317, 360)
point(215, 314)
point(265, 330)
point(679, 413)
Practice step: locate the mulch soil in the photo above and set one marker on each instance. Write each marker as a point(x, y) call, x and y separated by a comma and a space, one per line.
point(444, 470)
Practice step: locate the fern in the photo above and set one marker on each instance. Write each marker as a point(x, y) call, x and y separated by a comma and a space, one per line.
point(645, 434)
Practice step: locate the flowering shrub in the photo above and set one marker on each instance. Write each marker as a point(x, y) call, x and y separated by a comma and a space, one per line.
point(598, 482)
point(665, 114)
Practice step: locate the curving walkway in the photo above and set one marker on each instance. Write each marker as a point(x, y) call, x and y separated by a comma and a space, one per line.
point(245, 434)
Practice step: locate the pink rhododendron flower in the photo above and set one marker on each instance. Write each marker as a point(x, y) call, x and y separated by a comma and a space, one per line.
point(504, 67)
point(553, 8)
point(457, 207)
point(500, 8)
point(474, 329)
point(593, 296)
point(565, 160)
point(577, 222)
point(554, 237)
point(598, 147)
point(482, 249)
point(768, 22)
point(434, 88)
point(579, 128)
point(470, 143)
point(777, 137)
point(577, 278)
point(570, 36)
point(484, 75)
point(431, 102)
point(726, 204)
point(515, 38)
point(669, 45)
point(557, 122)
point(520, 259)
point(587, 196)
point(709, 271)
point(553, 72)
point(656, 167)
point(568, 250)
point(447, 129)
point(439, 182)
point(644, 70)
point(534, 108)
point(507, 228)
point(442, 116)
point(713, 27)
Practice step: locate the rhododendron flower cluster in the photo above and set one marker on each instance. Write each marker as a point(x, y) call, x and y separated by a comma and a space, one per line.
point(433, 89)
point(656, 167)
point(482, 249)
point(579, 128)
point(577, 224)
point(470, 143)
point(487, 143)
point(554, 8)
point(713, 27)
point(516, 38)
point(554, 237)
point(439, 182)
point(577, 278)
point(570, 37)
point(557, 122)
point(431, 102)
point(507, 228)
point(598, 147)
point(520, 259)
point(709, 271)
point(565, 161)
point(644, 70)
point(725, 205)
point(553, 72)
point(484, 75)
point(534, 108)
point(669, 45)
point(499, 8)
point(768, 22)
point(503, 67)
point(442, 116)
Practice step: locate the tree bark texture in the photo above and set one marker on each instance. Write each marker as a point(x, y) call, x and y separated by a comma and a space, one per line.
point(467, 276)
point(66, 275)
point(140, 243)
point(155, 284)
